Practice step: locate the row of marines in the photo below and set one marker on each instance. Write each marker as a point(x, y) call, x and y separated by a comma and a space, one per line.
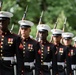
point(35, 57)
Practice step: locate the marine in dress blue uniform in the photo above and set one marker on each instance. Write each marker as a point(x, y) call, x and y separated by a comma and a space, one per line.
point(30, 49)
point(67, 39)
point(62, 52)
point(9, 46)
point(48, 57)
point(74, 40)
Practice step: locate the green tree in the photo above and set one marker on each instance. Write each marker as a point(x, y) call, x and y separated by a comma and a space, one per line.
point(53, 10)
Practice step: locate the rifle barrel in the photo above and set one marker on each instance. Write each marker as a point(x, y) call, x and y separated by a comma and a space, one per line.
point(24, 15)
point(1, 2)
point(40, 17)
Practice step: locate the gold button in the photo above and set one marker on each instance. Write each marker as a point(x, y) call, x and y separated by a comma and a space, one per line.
point(41, 60)
point(48, 50)
point(23, 45)
point(1, 46)
point(1, 50)
point(5, 33)
point(10, 65)
point(2, 39)
point(22, 71)
point(42, 54)
point(41, 57)
point(2, 36)
point(23, 51)
point(23, 48)
point(9, 45)
point(30, 50)
point(41, 50)
point(24, 42)
point(1, 54)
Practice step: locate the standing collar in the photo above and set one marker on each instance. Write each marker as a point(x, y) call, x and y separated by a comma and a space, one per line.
point(43, 42)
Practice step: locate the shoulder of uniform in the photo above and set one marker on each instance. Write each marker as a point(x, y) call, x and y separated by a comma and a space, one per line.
point(51, 43)
point(73, 47)
point(15, 35)
point(62, 45)
point(33, 39)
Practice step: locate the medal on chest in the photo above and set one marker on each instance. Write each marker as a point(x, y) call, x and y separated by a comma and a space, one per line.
point(30, 47)
point(61, 51)
point(48, 49)
point(10, 41)
point(72, 52)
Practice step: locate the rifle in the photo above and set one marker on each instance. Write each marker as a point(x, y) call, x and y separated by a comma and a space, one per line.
point(55, 26)
point(40, 18)
point(1, 2)
point(37, 34)
point(12, 28)
point(64, 25)
point(23, 18)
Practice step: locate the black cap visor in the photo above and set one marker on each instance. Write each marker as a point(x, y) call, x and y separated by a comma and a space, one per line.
point(43, 30)
point(25, 26)
point(67, 38)
point(4, 18)
point(56, 35)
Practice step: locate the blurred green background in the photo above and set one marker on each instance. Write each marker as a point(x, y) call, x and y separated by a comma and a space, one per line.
point(54, 10)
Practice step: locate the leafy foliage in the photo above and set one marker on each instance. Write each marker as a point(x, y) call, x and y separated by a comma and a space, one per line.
point(53, 10)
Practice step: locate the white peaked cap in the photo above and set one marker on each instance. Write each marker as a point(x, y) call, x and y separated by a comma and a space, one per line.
point(67, 35)
point(56, 31)
point(41, 27)
point(25, 22)
point(6, 14)
point(74, 39)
